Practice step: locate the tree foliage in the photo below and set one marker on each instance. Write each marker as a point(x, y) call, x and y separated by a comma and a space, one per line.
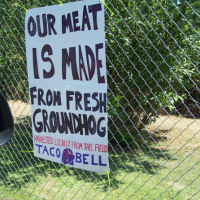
point(153, 60)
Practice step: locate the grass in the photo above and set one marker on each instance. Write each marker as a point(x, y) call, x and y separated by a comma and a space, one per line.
point(8, 194)
point(167, 168)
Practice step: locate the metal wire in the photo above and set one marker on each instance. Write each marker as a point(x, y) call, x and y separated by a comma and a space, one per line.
point(153, 104)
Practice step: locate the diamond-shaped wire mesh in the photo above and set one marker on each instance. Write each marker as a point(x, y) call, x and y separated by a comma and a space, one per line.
point(152, 49)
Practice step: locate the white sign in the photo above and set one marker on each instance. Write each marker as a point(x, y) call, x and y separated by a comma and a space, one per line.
point(65, 50)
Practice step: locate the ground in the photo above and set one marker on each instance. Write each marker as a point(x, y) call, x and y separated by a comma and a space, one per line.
point(166, 167)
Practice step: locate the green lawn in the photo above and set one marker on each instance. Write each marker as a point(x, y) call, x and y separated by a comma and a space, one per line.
point(156, 171)
point(11, 194)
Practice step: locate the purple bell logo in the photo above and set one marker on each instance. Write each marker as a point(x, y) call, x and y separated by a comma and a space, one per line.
point(68, 157)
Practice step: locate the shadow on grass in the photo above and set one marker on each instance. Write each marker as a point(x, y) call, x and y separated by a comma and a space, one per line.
point(19, 166)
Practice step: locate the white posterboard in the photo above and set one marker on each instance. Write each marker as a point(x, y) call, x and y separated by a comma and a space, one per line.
point(65, 50)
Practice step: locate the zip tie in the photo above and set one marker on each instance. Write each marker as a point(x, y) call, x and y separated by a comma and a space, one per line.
point(18, 5)
point(103, 1)
point(27, 151)
point(108, 177)
point(60, 2)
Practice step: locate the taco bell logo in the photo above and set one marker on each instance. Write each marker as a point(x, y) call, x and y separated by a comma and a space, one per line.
point(68, 157)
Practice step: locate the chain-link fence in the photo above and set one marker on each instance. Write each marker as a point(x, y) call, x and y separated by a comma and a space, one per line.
point(152, 49)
